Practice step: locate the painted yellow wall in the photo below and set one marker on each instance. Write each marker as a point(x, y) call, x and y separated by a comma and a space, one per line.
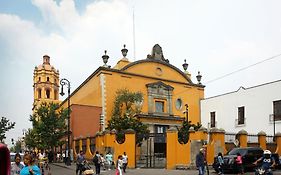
point(135, 79)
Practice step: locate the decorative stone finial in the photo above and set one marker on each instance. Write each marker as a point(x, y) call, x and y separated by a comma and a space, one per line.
point(172, 129)
point(191, 129)
point(124, 51)
point(261, 133)
point(157, 53)
point(202, 128)
point(242, 132)
point(130, 131)
point(113, 131)
point(105, 59)
point(198, 77)
point(184, 65)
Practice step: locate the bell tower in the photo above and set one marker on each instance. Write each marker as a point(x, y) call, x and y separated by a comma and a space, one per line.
point(45, 83)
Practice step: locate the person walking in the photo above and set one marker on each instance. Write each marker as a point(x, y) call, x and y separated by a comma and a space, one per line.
point(125, 161)
point(109, 159)
point(102, 161)
point(64, 157)
point(239, 164)
point(97, 162)
point(220, 163)
point(29, 168)
point(200, 162)
point(79, 162)
point(119, 164)
point(17, 166)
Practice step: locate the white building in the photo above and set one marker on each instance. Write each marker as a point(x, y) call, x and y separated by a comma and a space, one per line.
point(250, 109)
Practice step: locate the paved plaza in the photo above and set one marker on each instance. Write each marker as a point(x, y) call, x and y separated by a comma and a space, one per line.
point(59, 168)
point(136, 171)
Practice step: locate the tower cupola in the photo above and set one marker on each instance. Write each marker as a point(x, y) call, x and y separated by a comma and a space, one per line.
point(45, 83)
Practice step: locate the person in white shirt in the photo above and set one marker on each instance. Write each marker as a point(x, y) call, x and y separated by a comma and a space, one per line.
point(125, 161)
point(17, 166)
point(119, 165)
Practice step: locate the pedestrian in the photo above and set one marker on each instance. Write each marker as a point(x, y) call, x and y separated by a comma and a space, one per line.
point(125, 161)
point(5, 165)
point(239, 164)
point(17, 166)
point(102, 161)
point(51, 156)
point(29, 167)
point(220, 163)
point(79, 162)
point(59, 157)
point(63, 157)
point(97, 162)
point(109, 159)
point(119, 164)
point(200, 162)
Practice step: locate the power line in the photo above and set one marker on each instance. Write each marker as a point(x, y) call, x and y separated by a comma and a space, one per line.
point(267, 59)
point(241, 69)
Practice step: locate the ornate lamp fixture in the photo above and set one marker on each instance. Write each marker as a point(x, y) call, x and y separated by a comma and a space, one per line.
point(124, 51)
point(199, 77)
point(105, 59)
point(184, 65)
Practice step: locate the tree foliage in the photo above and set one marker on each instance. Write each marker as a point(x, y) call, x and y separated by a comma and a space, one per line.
point(183, 132)
point(16, 147)
point(5, 125)
point(126, 105)
point(49, 126)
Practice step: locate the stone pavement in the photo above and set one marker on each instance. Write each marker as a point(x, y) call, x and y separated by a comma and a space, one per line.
point(138, 171)
point(144, 171)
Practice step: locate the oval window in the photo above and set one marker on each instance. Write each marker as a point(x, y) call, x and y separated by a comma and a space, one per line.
point(178, 104)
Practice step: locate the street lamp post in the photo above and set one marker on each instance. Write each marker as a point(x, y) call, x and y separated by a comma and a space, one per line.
point(64, 82)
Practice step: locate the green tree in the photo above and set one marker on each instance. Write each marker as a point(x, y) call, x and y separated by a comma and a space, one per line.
point(183, 132)
point(18, 146)
point(48, 126)
point(31, 139)
point(126, 105)
point(5, 125)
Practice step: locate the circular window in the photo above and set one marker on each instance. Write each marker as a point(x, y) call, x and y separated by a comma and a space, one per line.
point(158, 71)
point(178, 104)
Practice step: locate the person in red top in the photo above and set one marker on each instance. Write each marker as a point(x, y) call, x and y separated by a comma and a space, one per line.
point(239, 164)
point(5, 164)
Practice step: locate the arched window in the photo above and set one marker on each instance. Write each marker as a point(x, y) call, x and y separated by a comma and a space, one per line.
point(48, 79)
point(39, 93)
point(39, 79)
point(48, 93)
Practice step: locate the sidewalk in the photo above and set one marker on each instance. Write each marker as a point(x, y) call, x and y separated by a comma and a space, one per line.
point(138, 171)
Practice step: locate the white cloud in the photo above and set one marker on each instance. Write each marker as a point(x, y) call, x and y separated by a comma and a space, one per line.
point(211, 36)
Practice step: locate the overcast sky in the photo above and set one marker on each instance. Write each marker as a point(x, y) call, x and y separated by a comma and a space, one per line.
point(216, 37)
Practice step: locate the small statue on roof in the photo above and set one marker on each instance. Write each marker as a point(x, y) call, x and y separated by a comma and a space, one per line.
point(157, 53)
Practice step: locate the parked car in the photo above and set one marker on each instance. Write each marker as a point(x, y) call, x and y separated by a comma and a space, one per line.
point(249, 156)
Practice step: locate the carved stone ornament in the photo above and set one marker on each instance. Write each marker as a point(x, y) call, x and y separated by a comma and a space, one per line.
point(157, 53)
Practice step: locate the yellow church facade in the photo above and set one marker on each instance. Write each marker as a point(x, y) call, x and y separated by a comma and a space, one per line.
point(165, 88)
